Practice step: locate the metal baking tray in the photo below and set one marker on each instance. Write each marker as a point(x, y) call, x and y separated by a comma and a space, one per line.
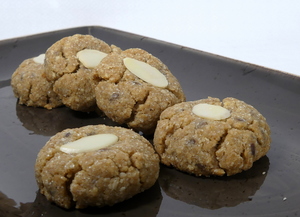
point(270, 188)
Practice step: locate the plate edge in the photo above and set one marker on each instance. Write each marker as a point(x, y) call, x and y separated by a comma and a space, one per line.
point(90, 31)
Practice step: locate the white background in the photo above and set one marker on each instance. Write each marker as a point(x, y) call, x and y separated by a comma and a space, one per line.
point(263, 32)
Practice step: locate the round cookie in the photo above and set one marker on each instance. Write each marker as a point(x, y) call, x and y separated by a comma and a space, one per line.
point(31, 87)
point(204, 146)
point(127, 98)
point(98, 177)
point(74, 81)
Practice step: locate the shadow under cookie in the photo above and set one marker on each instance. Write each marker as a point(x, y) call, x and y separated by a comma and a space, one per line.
point(49, 122)
point(148, 202)
point(214, 192)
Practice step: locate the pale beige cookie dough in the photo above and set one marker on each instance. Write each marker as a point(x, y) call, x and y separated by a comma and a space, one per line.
point(31, 87)
point(127, 98)
point(80, 176)
point(204, 146)
point(74, 81)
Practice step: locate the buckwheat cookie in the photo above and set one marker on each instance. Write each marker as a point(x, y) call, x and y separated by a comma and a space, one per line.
point(95, 165)
point(30, 85)
point(69, 64)
point(135, 87)
point(212, 137)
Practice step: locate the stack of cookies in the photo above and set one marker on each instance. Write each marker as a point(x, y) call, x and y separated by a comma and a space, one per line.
point(101, 165)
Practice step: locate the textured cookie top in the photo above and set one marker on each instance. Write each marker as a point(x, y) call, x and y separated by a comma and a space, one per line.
point(31, 87)
point(212, 147)
point(127, 98)
point(61, 57)
point(96, 178)
point(69, 64)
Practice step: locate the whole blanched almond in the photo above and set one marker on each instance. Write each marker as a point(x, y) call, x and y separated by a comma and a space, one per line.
point(146, 72)
point(89, 143)
point(212, 112)
point(39, 59)
point(90, 58)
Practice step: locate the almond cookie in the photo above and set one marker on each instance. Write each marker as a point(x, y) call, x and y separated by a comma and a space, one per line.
point(212, 137)
point(31, 87)
point(95, 165)
point(69, 64)
point(134, 88)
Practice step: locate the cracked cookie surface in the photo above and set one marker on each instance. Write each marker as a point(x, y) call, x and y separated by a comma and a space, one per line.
point(207, 147)
point(72, 81)
point(125, 98)
point(31, 87)
point(97, 178)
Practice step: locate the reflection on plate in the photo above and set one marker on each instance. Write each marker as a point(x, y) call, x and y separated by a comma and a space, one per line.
point(145, 202)
point(49, 122)
point(214, 192)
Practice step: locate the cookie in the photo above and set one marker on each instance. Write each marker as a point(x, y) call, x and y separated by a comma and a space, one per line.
point(192, 139)
point(127, 97)
point(81, 175)
point(31, 87)
point(71, 70)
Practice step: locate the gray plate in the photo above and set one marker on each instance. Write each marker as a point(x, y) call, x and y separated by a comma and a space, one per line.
point(270, 188)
